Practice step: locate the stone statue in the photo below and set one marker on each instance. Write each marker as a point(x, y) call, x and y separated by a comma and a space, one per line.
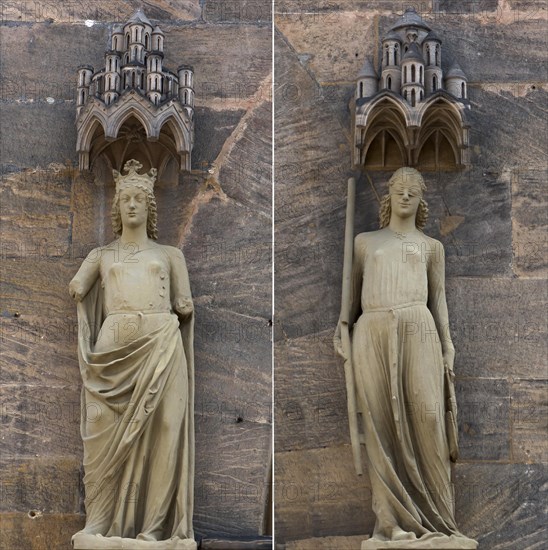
point(401, 378)
point(135, 348)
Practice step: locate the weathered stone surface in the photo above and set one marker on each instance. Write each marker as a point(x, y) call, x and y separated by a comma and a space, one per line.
point(52, 125)
point(470, 215)
point(24, 293)
point(293, 8)
point(327, 543)
point(495, 151)
point(529, 222)
point(467, 7)
point(102, 11)
point(309, 191)
point(219, 391)
point(213, 128)
point(37, 348)
point(462, 34)
point(237, 11)
point(246, 177)
point(41, 421)
point(237, 543)
point(528, 9)
point(313, 37)
point(26, 191)
point(498, 327)
point(502, 505)
point(231, 484)
point(529, 415)
point(310, 394)
point(318, 494)
point(231, 260)
point(246, 51)
point(48, 485)
point(36, 530)
point(484, 419)
point(27, 80)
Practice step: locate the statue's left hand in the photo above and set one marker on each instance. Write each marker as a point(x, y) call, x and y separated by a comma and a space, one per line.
point(184, 307)
point(448, 361)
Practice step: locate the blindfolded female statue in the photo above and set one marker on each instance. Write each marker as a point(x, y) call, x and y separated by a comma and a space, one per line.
point(402, 358)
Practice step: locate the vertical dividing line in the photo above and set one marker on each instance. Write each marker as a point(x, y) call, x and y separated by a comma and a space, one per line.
point(272, 316)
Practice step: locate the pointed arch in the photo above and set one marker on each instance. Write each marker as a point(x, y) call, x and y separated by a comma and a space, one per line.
point(384, 139)
point(86, 133)
point(179, 135)
point(441, 139)
point(118, 119)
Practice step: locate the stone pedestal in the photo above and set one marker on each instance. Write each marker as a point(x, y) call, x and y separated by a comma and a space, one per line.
point(98, 542)
point(431, 543)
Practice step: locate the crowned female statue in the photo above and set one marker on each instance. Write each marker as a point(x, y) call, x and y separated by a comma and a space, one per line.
point(394, 335)
point(135, 348)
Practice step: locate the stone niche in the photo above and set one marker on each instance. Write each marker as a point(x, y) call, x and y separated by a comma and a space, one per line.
point(414, 113)
point(134, 107)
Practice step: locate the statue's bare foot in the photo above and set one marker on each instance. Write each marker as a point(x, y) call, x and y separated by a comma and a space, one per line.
point(400, 534)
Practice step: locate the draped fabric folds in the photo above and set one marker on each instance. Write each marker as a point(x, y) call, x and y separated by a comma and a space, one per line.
point(399, 380)
point(137, 428)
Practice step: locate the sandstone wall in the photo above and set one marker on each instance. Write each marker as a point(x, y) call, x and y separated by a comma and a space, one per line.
point(221, 221)
point(492, 220)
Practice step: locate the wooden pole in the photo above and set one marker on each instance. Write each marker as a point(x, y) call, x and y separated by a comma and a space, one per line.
point(345, 329)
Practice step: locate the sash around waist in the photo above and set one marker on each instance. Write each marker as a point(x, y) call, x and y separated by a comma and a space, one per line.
point(139, 312)
point(392, 308)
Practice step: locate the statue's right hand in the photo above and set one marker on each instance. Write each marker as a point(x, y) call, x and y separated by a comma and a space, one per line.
point(337, 343)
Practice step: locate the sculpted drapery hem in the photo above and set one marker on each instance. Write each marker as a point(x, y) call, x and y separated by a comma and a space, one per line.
point(138, 426)
point(399, 380)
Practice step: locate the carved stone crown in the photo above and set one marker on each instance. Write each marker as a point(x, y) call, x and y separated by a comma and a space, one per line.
point(146, 181)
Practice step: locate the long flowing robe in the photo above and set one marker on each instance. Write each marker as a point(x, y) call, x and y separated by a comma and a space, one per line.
point(399, 377)
point(137, 428)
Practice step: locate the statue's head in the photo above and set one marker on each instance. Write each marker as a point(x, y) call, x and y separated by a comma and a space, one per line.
point(137, 190)
point(405, 198)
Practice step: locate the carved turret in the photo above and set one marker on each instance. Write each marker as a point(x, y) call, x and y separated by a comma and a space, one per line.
point(456, 82)
point(412, 70)
point(391, 59)
point(410, 115)
point(186, 87)
point(433, 76)
point(366, 81)
point(85, 73)
point(135, 85)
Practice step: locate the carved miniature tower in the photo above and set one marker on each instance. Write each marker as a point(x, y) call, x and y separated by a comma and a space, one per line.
point(391, 59)
point(411, 116)
point(456, 82)
point(186, 87)
point(134, 97)
point(366, 82)
point(412, 67)
point(433, 76)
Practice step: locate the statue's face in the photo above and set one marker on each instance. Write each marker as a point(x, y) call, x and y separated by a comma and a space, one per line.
point(405, 197)
point(133, 206)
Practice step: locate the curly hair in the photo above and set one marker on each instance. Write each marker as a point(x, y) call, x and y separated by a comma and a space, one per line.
point(152, 218)
point(385, 211)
